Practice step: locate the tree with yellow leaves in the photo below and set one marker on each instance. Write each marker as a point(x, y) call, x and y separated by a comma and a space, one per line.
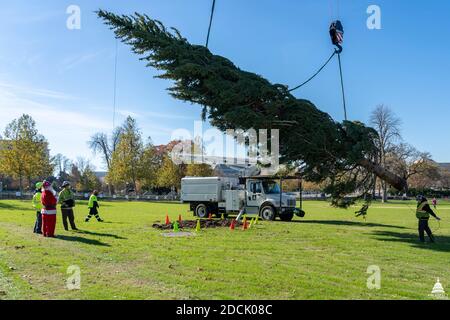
point(24, 153)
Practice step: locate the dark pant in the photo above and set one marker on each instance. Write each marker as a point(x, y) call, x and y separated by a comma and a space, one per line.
point(424, 227)
point(67, 213)
point(93, 212)
point(38, 224)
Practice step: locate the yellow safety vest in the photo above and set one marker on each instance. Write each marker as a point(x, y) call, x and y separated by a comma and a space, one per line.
point(420, 213)
point(92, 199)
point(37, 201)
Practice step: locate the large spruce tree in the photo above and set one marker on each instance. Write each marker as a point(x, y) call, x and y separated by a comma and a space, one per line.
point(339, 154)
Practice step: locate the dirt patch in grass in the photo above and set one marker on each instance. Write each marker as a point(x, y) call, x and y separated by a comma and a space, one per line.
point(192, 224)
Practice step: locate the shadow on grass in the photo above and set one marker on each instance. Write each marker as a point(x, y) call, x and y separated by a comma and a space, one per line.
point(109, 235)
point(442, 242)
point(348, 223)
point(110, 222)
point(82, 240)
point(7, 206)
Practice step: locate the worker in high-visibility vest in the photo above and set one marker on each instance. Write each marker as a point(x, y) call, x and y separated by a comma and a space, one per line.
point(93, 207)
point(67, 201)
point(37, 205)
point(423, 213)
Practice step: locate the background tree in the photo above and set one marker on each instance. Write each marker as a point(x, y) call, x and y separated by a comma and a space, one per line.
point(149, 166)
point(126, 159)
point(445, 179)
point(236, 99)
point(101, 144)
point(387, 125)
point(62, 167)
point(87, 181)
point(426, 175)
point(199, 170)
point(75, 175)
point(169, 174)
point(24, 152)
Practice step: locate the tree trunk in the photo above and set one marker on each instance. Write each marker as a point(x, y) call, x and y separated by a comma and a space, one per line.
point(384, 186)
point(20, 184)
point(374, 191)
point(394, 180)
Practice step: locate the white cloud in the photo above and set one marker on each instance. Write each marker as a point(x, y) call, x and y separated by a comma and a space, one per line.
point(126, 113)
point(74, 61)
point(151, 114)
point(20, 91)
point(66, 128)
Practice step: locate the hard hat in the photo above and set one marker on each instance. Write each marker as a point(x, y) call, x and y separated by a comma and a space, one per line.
point(39, 185)
point(65, 184)
point(421, 198)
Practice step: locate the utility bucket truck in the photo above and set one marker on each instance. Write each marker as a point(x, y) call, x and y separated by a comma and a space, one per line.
point(252, 195)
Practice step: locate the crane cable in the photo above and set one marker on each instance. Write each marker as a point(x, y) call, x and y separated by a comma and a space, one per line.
point(338, 52)
point(210, 22)
point(342, 87)
point(315, 74)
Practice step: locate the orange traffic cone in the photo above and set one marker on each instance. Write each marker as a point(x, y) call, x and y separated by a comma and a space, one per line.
point(233, 224)
point(245, 225)
point(167, 219)
point(210, 216)
point(179, 219)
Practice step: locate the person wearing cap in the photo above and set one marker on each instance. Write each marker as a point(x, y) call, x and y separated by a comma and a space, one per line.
point(49, 201)
point(423, 213)
point(67, 201)
point(93, 207)
point(37, 205)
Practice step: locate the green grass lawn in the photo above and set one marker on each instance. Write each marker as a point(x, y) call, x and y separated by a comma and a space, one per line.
point(323, 256)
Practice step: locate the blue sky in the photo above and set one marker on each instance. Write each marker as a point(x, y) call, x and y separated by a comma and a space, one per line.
point(64, 78)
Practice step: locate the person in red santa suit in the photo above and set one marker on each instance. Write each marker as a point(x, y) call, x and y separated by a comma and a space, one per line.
point(49, 202)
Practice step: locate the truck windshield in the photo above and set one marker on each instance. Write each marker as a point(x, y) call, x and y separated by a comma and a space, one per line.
point(271, 187)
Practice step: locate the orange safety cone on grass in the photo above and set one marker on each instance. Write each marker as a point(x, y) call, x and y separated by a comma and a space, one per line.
point(179, 219)
point(233, 224)
point(244, 224)
point(167, 219)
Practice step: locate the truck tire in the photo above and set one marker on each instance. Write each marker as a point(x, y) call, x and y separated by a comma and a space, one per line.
point(287, 216)
point(201, 211)
point(267, 213)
